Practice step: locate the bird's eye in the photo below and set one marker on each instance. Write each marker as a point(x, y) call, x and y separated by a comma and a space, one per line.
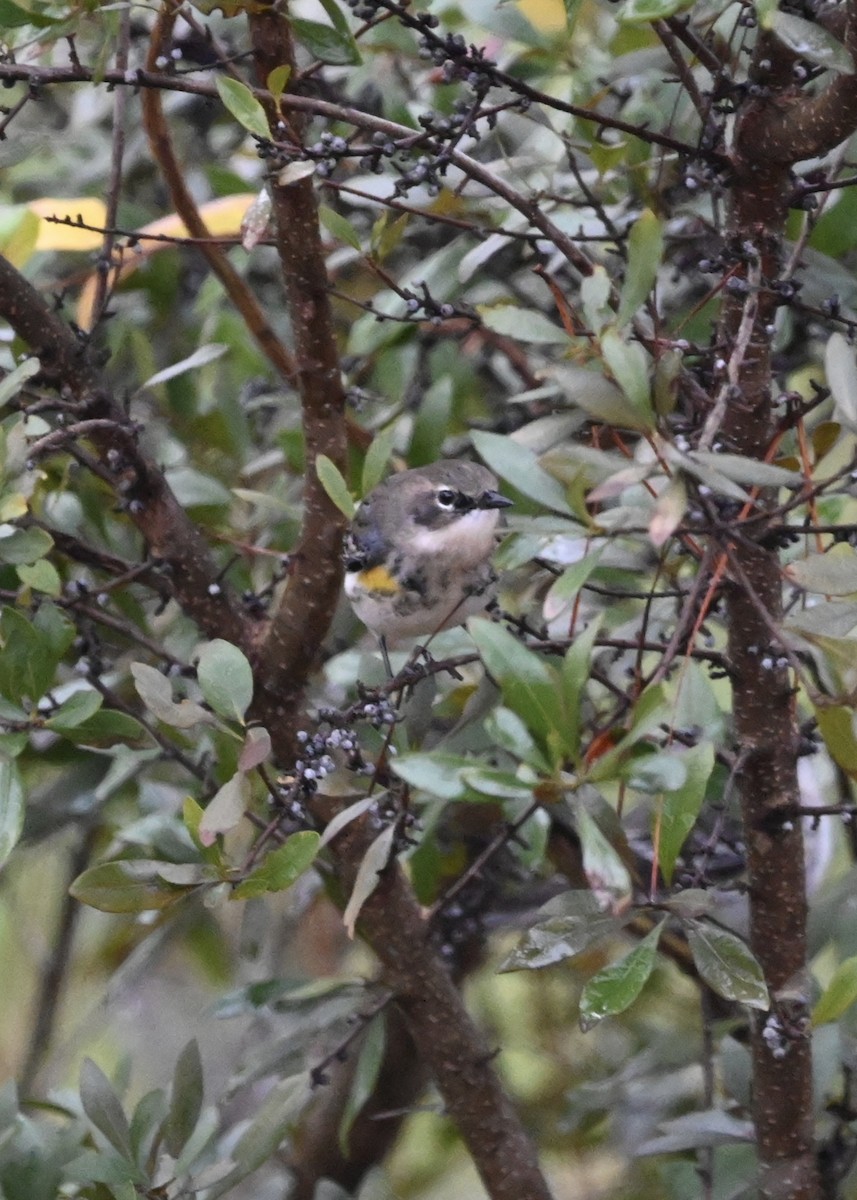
point(446, 497)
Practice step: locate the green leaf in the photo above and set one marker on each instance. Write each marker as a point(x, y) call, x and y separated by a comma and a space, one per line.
point(638, 12)
point(331, 479)
point(832, 574)
point(109, 728)
point(126, 886)
point(571, 924)
point(156, 692)
point(681, 806)
point(11, 808)
point(13, 16)
point(529, 685)
point(811, 41)
point(225, 678)
point(748, 471)
point(281, 867)
point(199, 358)
point(595, 292)
point(195, 489)
point(25, 546)
point(41, 576)
point(377, 457)
point(652, 772)
point(576, 669)
point(256, 748)
point(338, 227)
point(365, 1077)
point(277, 81)
point(27, 662)
point(670, 507)
point(225, 810)
point(185, 1100)
point(517, 463)
point(12, 383)
point(563, 591)
point(146, 1121)
point(347, 815)
point(841, 368)
point(496, 784)
point(375, 860)
point(726, 964)
point(104, 1109)
point(523, 324)
point(506, 730)
point(245, 108)
point(438, 774)
point(330, 45)
point(616, 988)
point(836, 726)
point(268, 1127)
point(79, 707)
point(629, 366)
point(56, 627)
point(605, 871)
point(645, 250)
point(839, 994)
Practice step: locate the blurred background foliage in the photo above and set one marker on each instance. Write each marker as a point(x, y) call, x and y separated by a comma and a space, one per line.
point(452, 342)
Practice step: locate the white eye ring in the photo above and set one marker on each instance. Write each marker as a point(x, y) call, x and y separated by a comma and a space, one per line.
point(446, 498)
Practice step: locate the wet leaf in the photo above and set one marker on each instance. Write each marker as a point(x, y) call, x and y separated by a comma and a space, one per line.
point(726, 964)
point(616, 988)
point(567, 925)
point(603, 866)
point(530, 686)
point(681, 806)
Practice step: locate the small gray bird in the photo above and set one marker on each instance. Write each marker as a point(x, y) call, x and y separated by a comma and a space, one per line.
point(418, 554)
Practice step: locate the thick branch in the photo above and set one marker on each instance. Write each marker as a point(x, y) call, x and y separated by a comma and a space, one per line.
point(315, 576)
point(763, 702)
point(787, 129)
point(443, 1031)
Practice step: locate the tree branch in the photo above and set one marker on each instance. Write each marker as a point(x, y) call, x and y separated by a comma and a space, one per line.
point(150, 504)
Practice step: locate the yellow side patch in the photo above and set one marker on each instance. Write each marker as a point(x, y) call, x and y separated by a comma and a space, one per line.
point(379, 579)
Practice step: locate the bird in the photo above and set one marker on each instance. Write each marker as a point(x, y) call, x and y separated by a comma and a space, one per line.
point(418, 551)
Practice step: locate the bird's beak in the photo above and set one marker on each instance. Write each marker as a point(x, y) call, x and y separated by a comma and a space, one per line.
point(493, 500)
